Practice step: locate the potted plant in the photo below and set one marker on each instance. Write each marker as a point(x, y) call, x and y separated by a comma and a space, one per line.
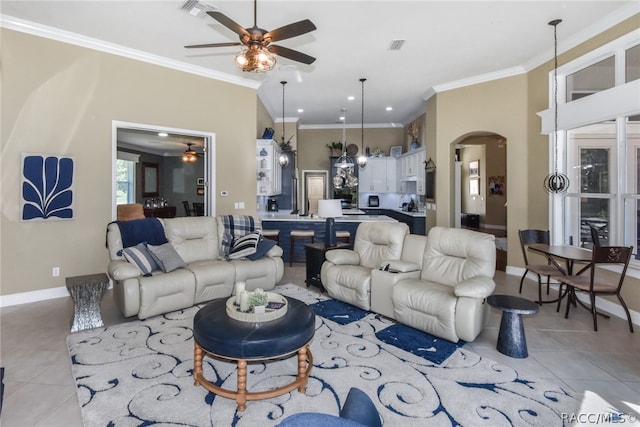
point(258, 300)
point(335, 148)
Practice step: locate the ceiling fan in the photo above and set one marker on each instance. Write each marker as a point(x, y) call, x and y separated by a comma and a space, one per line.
point(190, 155)
point(258, 54)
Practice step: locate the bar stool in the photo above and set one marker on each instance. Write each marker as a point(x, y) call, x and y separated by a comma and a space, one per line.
point(272, 234)
point(299, 235)
point(343, 236)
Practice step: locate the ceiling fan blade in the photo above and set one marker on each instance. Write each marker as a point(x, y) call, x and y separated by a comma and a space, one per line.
point(291, 54)
point(292, 30)
point(214, 45)
point(229, 23)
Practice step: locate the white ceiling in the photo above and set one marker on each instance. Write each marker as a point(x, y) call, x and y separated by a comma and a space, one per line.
point(448, 43)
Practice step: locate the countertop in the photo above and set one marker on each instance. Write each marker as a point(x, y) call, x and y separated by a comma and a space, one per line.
point(285, 216)
point(412, 214)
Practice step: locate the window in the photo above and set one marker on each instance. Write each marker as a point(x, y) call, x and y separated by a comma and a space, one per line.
point(632, 64)
point(601, 139)
point(126, 177)
point(591, 79)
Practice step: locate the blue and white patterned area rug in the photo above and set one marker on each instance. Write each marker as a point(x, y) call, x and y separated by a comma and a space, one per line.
point(140, 373)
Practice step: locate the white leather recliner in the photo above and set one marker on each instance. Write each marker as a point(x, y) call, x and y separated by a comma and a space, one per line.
point(346, 274)
point(448, 299)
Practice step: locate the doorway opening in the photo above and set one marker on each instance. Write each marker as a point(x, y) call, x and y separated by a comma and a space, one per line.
point(179, 185)
point(480, 201)
point(315, 187)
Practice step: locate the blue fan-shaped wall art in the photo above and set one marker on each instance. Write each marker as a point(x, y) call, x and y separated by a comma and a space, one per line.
point(47, 187)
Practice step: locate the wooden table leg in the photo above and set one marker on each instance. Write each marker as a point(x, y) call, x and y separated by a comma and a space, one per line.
point(302, 369)
point(198, 354)
point(241, 397)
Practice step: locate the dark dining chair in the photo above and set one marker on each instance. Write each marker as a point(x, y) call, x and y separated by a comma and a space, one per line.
point(595, 233)
point(187, 208)
point(528, 237)
point(198, 209)
point(595, 283)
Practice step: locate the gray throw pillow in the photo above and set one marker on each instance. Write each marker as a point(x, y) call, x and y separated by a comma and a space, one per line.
point(166, 257)
point(141, 257)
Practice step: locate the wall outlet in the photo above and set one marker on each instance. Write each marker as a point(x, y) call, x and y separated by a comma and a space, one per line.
point(55, 272)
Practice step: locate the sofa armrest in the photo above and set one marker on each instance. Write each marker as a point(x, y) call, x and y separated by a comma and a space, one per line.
point(399, 266)
point(274, 252)
point(475, 287)
point(122, 270)
point(342, 257)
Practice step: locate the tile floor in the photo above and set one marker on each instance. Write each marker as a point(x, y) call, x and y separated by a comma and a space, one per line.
point(39, 389)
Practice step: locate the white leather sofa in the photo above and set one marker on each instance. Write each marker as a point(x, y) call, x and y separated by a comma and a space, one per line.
point(198, 241)
point(437, 284)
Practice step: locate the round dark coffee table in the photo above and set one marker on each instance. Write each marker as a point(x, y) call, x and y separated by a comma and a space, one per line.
point(511, 338)
point(220, 336)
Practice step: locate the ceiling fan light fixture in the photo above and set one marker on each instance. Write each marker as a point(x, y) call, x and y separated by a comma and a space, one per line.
point(257, 60)
point(189, 156)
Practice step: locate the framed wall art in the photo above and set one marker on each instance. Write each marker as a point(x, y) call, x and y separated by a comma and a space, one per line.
point(47, 187)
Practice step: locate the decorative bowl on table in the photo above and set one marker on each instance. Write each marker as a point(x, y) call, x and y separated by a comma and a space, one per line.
point(276, 307)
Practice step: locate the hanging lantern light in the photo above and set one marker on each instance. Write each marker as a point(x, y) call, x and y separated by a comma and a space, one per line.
point(284, 158)
point(555, 183)
point(362, 159)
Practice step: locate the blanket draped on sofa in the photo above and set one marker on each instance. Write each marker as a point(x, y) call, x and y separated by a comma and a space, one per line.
point(136, 231)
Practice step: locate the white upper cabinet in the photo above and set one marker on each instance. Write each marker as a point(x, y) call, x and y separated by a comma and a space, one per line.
point(379, 176)
point(268, 169)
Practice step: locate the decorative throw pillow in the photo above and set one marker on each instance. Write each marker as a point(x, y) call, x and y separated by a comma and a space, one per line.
point(244, 246)
point(234, 226)
point(264, 246)
point(141, 257)
point(166, 257)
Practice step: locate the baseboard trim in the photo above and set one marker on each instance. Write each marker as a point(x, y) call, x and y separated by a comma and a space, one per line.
point(33, 296)
point(601, 303)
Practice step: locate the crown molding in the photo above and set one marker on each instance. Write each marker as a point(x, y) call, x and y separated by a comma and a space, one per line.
point(481, 78)
point(352, 126)
point(33, 28)
point(287, 120)
point(608, 21)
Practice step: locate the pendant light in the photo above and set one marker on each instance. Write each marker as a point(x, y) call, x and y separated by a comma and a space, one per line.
point(284, 158)
point(362, 159)
point(345, 175)
point(555, 183)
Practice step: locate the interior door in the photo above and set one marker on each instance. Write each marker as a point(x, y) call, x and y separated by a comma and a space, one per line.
point(315, 191)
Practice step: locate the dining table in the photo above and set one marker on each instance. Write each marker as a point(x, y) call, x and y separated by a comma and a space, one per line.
point(571, 255)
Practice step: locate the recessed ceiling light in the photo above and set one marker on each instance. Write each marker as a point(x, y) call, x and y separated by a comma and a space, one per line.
point(389, 108)
point(300, 110)
point(351, 97)
point(163, 134)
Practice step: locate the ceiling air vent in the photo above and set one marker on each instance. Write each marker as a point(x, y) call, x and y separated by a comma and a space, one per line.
point(196, 7)
point(396, 44)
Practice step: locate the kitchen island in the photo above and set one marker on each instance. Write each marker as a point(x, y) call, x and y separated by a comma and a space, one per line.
point(285, 222)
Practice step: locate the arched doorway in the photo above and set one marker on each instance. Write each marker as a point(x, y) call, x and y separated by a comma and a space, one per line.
point(480, 187)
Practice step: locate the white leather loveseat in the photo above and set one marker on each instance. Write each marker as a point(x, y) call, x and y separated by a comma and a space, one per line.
point(437, 284)
point(206, 275)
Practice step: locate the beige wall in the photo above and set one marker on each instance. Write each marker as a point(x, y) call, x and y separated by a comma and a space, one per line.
point(508, 108)
point(314, 155)
point(61, 99)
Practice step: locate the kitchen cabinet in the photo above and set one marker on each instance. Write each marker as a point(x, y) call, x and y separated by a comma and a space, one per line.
point(411, 174)
point(379, 176)
point(268, 169)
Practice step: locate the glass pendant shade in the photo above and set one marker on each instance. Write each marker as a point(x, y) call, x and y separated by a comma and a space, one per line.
point(362, 161)
point(283, 160)
point(255, 59)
